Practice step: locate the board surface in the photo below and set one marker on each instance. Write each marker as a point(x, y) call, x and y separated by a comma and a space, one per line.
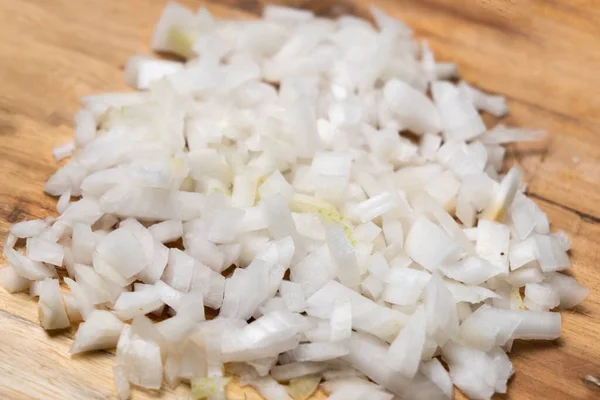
point(543, 55)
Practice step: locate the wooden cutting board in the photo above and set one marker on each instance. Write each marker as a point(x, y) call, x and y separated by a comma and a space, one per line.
point(543, 55)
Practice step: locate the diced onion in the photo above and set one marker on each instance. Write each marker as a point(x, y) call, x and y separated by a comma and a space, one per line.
point(273, 179)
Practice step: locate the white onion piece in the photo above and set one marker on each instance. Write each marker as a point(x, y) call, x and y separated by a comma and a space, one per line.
point(66, 179)
point(504, 196)
point(492, 244)
point(61, 152)
point(488, 327)
point(83, 243)
point(142, 70)
point(170, 32)
point(84, 304)
point(269, 335)
point(122, 251)
point(43, 250)
point(343, 255)
point(274, 184)
point(319, 351)
point(140, 354)
point(168, 295)
point(11, 281)
point(244, 190)
point(285, 15)
point(263, 366)
point(474, 372)
point(72, 308)
point(374, 207)
point(403, 286)
point(523, 276)
point(413, 108)
point(435, 371)
point(469, 294)
point(550, 254)
point(151, 203)
point(180, 270)
point(35, 287)
point(460, 120)
point(542, 295)
point(563, 239)
point(378, 265)
point(121, 382)
point(429, 145)
point(166, 231)
point(501, 134)
point(569, 290)
point(293, 296)
point(27, 268)
point(99, 290)
point(156, 263)
point(280, 221)
point(522, 253)
point(27, 229)
point(443, 248)
point(440, 310)
point(367, 316)
point(341, 320)
point(471, 270)
point(85, 127)
point(404, 354)
point(504, 369)
point(494, 104)
point(314, 271)
point(101, 330)
point(331, 164)
point(9, 242)
point(224, 227)
point(51, 307)
point(372, 287)
point(367, 354)
point(133, 304)
point(430, 205)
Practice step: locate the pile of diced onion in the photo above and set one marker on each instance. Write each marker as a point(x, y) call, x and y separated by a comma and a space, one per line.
point(326, 188)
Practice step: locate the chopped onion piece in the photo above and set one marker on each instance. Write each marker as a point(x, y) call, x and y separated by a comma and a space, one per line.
point(293, 296)
point(101, 330)
point(343, 255)
point(43, 250)
point(488, 327)
point(52, 311)
point(404, 354)
point(27, 229)
point(443, 248)
point(504, 196)
point(319, 351)
point(459, 118)
point(435, 371)
point(166, 231)
point(415, 111)
point(569, 290)
point(64, 151)
point(11, 281)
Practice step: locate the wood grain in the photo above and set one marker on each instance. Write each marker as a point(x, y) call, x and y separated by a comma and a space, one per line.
point(543, 55)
